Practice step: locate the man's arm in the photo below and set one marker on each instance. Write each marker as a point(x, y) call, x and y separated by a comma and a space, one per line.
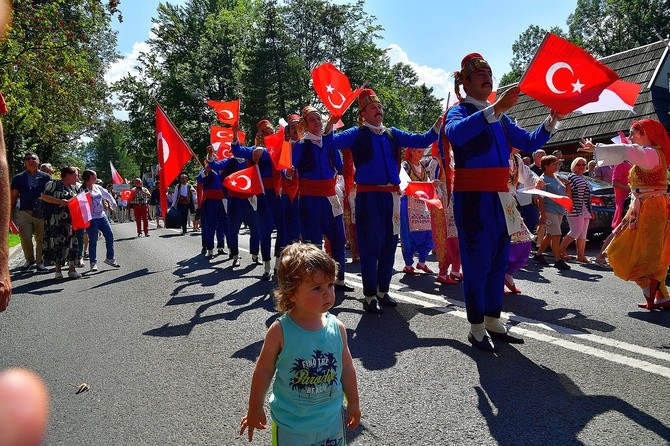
point(5, 210)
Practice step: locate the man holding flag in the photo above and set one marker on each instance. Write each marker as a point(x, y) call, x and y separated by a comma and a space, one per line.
point(317, 164)
point(481, 137)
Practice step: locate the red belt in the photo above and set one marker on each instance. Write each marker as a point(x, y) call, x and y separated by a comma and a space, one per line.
point(212, 194)
point(317, 188)
point(488, 179)
point(268, 183)
point(375, 188)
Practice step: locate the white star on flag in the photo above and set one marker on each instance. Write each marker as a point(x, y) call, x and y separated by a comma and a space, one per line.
point(233, 183)
point(577, 86)
point(329, 88)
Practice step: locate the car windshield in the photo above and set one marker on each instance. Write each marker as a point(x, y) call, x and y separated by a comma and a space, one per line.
point(594, 183)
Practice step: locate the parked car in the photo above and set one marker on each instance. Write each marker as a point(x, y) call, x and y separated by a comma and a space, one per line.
point(602, 205)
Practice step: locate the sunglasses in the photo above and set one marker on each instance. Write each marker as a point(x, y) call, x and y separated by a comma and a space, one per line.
point(580, 164)
point(34, 158)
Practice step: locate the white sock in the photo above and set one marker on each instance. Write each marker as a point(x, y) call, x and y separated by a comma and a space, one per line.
point(380, 294)
point(369, 299)
point(478, 331)
point(494, 324)
point(254, 258)
point(266, 263)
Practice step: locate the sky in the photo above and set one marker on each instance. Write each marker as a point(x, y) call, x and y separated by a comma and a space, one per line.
point(430, 35)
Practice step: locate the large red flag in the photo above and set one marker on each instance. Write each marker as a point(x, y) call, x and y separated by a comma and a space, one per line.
point(279, 150)
point(80, 210)
point(116, 178)
point(221, 138)
point(618, 96)
point(246, 181)
point(173, 152)
point(564, 77)
point(226, 112)
point(333, 88)
point(424, 191)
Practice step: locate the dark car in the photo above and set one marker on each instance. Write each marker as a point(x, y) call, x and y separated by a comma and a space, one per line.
point(602, 205)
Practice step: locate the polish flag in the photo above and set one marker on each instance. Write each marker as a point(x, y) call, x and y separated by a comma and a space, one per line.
point(80, 210)
point(12, 227)
point(116, 178)
point(620, 95)
point(246, 181)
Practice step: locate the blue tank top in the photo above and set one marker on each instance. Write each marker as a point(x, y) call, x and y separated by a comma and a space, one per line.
point(307, 392)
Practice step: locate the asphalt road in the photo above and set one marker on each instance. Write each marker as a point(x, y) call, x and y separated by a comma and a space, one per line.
point(167, 344)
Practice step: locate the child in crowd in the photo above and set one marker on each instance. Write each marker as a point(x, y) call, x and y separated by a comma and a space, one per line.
point(306, 352)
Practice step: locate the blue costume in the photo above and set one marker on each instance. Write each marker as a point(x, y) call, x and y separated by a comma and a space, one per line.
point(239, 209)
point(214, 219)
point(480, 141)
point(377, 161)
point(317, 168)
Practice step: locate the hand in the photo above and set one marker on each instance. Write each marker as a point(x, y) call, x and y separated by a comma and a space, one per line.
point(290, 172)
point(353, 415)
point(256, 154)
point(24, 405)
point(554, 117)
point(586, 145)
point(506, 100)
point(438, 124)
point(540, 184)
point(235, 127)
point(253, 420)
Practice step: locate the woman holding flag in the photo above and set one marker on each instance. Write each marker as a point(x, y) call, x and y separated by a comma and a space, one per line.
point(60, 244)
point(99, 222)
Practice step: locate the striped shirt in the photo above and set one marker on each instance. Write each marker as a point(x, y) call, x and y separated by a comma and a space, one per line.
point(581, 196)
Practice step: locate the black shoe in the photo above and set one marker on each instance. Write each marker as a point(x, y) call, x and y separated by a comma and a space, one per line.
point(343, 287)
point(147, 235)
point(236, 262)
point(387, 301)
point(539, 258)
point(266, 276)
point(372, 307)
point(506, 337)
point(560, 264)
point(485, 344)
point(203, 250)
point(221, 252)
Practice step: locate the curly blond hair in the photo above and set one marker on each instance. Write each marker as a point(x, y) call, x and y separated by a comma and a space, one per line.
point(297, 262)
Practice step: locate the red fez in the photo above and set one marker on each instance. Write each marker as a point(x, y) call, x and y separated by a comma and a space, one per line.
point(263, 124)
point(293, 118)
point(471, 63)
point(366, 97)
point(307, 110)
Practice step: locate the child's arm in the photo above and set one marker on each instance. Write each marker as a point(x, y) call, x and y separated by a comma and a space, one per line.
point(260, 383)
point(349, 384)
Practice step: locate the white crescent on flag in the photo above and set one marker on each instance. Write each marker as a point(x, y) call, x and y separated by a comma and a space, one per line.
point(337, 106)
point(227, 113)
point(550, 76)
point(165, 148)
point(248, 186)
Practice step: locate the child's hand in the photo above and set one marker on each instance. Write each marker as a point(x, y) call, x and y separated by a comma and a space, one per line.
point(353, 415)
point(255, 419)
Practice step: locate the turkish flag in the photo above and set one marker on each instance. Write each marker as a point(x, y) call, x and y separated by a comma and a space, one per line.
point(564, 201)
point(173, 152)
point(279, 150)
point(226, 112)
point(80, 210)
point(564, 77)
point(221, 138)
point(618, 96)
point(12, 227)
point(246, 181)
point(126, 195)
point(116, 178)
point(424, 191)
point(333, 88)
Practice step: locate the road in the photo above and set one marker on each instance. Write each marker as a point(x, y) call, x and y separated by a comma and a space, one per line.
point(167, 344)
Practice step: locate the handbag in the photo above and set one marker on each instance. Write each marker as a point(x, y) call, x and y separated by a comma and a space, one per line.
point(40, 209)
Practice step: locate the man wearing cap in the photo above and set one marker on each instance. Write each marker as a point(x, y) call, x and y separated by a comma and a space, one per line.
point(213, 213)
point(268, 203)
point(481, 137)
point(376, 153)
point(317, 164)
point(29, 186)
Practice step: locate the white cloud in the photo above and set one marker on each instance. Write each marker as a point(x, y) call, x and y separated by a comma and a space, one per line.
point(441, 80)
point(126, 65)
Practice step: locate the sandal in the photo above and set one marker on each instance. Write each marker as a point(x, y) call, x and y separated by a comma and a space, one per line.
point(654, 286)
point(601, 261)
point(512, 287)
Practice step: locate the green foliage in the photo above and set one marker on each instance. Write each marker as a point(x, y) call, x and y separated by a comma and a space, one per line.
point(51, 74)
point(605, 27)
point(112, 144)
point(13, 240)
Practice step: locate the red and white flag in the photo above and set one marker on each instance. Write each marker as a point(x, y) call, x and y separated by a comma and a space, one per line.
point(333, 88)
point(620, 138)
point(221, 138)
point(564, 77)
point(564, 201)
point(126, 195)
point(246, 181)
point(226, 112)
point(116, 178)
point(80, 210)
point(424, 191)
point(173, 152)
point(620, 95)
point(12, 227)
point(279, 150)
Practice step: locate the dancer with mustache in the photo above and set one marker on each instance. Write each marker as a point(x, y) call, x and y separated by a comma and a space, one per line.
point(482, 137)
point(376, 153)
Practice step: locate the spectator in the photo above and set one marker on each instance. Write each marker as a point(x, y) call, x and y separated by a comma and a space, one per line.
point(47, 168)
point(604, 173)
point(28, 186)
point(590, 169)
point(139, 198)
point(580, 215)
point(99, 222)
point(156, 200)
point(61, 245)
point(183, 200)
point(536, 167)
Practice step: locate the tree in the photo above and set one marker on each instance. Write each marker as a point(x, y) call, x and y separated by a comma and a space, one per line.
point(52, 67)
point(524, 49)
point(112, 143)
point(606, 27)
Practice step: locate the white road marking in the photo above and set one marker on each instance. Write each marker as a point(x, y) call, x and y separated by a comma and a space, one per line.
point(617, 358)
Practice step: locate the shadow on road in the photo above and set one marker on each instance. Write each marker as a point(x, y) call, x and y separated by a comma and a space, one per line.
point(527, 403)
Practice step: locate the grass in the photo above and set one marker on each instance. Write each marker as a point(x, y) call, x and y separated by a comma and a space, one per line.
point(14, 240)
